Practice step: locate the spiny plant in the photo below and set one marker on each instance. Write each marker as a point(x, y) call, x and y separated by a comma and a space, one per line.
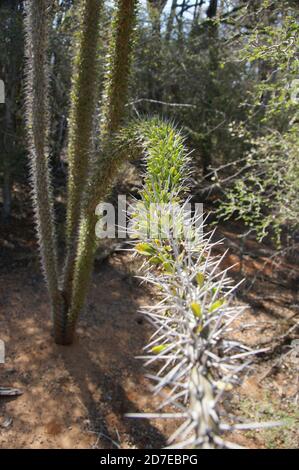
point(38, 128)
point(83, 97)
point(198, 361)
point(90, 176)
point(193, 356)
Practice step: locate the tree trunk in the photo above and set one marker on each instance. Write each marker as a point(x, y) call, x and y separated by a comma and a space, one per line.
point(212, 37)
point(170, 20)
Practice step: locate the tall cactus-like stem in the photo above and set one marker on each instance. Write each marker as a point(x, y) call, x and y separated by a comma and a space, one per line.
point(118, 67)
point(114, 100)
point(82, 111)
point(38, 127)
point(83, 97)
point(82, 194)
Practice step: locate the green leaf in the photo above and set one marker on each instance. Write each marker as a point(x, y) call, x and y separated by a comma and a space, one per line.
point(168, 268)
point(159, 348)
point(200, 279)
point(216, 305)
point(196, 309)
point(155, 260)
point(145, 249)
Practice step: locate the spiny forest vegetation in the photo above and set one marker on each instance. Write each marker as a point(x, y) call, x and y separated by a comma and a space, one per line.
point(188, 339)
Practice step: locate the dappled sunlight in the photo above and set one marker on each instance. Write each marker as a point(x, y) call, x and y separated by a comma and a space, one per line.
point(73, 394)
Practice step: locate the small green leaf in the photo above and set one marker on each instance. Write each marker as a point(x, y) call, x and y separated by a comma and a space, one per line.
point(216, 305)
point(196, 309)
point(159, 348)
point(167, 267)
point(155, 260)
point(200, 278)
point(145, 249)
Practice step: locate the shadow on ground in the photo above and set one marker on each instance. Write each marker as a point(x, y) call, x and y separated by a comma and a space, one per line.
point(77, 396)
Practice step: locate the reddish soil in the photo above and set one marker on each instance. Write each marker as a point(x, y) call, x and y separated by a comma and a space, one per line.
point(77, 396)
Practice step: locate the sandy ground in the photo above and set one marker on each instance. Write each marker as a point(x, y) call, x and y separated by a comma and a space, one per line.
point(77, 396)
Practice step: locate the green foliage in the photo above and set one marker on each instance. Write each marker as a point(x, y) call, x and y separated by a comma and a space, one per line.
point(12, 148)
point(266, 198)
point(231, 81)
point(265, 192)
point(186, 74)
point(167, 163)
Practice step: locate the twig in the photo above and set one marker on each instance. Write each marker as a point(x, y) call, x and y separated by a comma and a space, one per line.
point(148, 100)
point(10, 392)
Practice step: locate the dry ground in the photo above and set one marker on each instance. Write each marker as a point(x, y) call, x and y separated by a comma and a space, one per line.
point(76, 397)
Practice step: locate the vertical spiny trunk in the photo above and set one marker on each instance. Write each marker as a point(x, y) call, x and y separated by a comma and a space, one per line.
point(75, 282)
point(83, 98)
point(37, 124)
point(118, 67)
point(113, 111)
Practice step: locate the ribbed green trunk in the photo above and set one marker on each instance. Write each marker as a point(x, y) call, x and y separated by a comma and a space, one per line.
point(67, 301)
point(38, 129)
point(83, 95)
point(113, 111)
